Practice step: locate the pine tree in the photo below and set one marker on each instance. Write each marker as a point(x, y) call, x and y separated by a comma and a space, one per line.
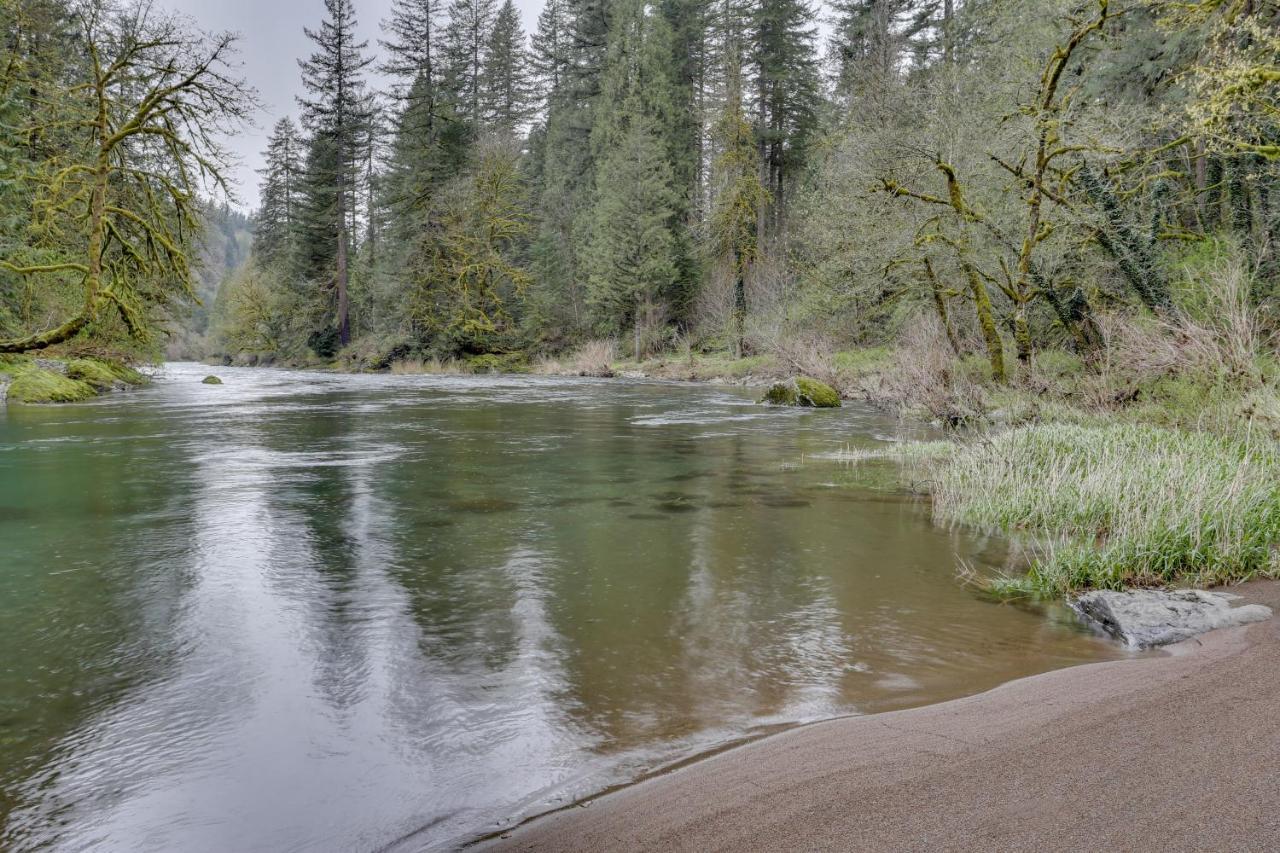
point(566, 172)
point(337, 116)
point(739, 195)
point(470, 22)
point(505, 87)
point(276, 223)
point(634, 250)
point(549, 53)
point(632, 257)
point(412, 36)
point(782, 56)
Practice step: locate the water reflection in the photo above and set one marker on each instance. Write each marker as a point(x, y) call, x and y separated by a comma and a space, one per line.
point(303, 611)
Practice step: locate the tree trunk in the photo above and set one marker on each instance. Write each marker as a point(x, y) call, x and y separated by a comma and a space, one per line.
point(637, 331)
point(940, 305)
point(739, 312)
point(1022, 335)
point(344, 327)
point(987, 323)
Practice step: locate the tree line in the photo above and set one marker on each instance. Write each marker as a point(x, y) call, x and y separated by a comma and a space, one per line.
point(710, 174)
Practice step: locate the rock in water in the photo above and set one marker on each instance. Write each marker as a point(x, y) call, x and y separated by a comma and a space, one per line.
point(1150, 617)
point(802, 391)
point(211, 380)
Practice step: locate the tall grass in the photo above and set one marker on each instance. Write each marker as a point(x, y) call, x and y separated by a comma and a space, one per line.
point(1121, 505)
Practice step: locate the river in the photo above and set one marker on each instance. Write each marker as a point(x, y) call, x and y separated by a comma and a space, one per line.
point(310, 611)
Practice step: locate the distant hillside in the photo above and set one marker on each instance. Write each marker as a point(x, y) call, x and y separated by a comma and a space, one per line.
point(224, 249)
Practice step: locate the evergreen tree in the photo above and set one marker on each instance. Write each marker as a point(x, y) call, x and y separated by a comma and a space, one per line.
point(782, 56)
point(411, 43)
point(739, 196)
point(337, 116)
point(567, 175)
point(470, 22)
point(505, 87)
point(549, 54)
point(275, 226)
point(634, 250)
point(632, 257)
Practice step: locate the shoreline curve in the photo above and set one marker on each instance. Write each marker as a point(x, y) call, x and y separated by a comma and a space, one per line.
point(1173, 752)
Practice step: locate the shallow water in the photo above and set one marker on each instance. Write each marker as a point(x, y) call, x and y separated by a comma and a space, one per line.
point(303, 611)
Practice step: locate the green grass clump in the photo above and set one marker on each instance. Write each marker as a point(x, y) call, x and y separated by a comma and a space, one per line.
point(1121, 505)
point(512, 362)
point(36, 385)
point(12, 365)
point(857, 362)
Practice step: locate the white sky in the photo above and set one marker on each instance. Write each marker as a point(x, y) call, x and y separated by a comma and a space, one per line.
point(271, 44)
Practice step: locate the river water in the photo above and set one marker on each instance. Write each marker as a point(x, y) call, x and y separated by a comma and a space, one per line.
point(302, 611)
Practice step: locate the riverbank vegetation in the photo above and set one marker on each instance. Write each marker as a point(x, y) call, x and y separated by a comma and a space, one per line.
point(112, 125)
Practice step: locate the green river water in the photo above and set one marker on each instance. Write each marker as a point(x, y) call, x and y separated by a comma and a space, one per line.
point(303, 611)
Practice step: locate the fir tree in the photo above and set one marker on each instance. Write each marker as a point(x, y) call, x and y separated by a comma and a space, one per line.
point(781, 53)
point(337, 115)
point(739, 196)
point(505, 86)
point(634, 250)
point(470, 22)
point(549, 54)
point(276, 223)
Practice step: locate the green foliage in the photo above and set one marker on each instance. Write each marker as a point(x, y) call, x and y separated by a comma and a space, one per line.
point(512, 362)
point(117, 116)
point(467, 290)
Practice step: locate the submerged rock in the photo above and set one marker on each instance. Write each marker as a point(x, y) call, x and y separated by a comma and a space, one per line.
point(1150, 617)
point(211, 380)
point(802, 391)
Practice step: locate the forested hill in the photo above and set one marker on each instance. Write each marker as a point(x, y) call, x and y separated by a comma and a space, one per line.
point(714, 176)
point(223, 249)
point(685, 176)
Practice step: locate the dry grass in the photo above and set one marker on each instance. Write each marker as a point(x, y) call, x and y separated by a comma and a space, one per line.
point(925, 376)
point(594, 358)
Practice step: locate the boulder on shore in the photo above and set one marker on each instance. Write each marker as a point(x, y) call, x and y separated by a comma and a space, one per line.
point(804, 392)
point(211, 380)
point(1150, 617)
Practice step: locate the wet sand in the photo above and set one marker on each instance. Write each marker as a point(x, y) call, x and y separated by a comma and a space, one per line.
point(1171, 752)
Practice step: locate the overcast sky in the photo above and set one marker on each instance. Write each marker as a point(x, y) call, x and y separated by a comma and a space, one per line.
point(271, 44)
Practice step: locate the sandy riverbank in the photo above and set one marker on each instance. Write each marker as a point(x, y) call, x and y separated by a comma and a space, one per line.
point(1175, 752)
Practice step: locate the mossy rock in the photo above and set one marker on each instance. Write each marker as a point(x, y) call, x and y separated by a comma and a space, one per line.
point(97, 374)
point(37, 385)
point(125, 373)
point(804, 392)
point(211, 380)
